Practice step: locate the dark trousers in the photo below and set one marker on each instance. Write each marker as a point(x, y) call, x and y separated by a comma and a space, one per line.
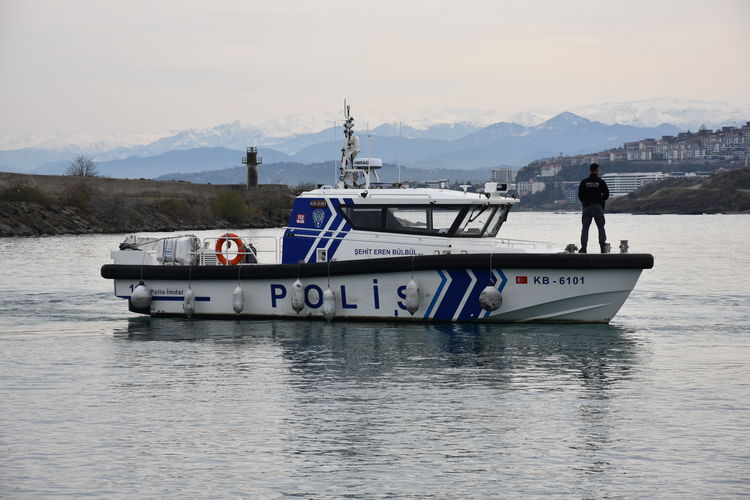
point(595, 212)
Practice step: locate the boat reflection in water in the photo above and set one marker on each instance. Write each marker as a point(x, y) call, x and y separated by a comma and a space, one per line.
point(330, 399)
point(603, 352)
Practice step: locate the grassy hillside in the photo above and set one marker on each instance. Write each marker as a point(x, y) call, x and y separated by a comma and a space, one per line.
point(81, 208)
point(727, 192)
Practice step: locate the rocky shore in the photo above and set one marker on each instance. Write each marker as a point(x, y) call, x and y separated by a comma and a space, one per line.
point(45, 205)
point(33, 219)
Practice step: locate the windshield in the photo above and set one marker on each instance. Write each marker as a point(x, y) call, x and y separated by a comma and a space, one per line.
point(482, 221)
point(500, 216)
point(475, 221)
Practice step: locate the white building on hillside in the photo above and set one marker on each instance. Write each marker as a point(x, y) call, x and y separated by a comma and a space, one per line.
point(506, 175)
point(549, 170)
point(622, 184)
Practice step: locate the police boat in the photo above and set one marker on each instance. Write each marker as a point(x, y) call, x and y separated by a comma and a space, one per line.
point(366, 250)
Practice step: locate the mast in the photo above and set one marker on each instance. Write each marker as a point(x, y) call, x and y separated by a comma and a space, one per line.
point(353, 173)
point(348, 175)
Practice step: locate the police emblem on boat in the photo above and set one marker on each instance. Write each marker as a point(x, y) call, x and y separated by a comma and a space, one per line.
point(318, 216)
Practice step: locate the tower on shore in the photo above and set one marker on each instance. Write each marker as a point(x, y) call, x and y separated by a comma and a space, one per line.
point(252, 160)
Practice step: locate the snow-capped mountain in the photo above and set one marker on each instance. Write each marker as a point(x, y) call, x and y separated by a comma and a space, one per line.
point(232, 135)
point(443, 123)
point(429, 118)
point(295, 125)
point(443, 131)
point(492, 133)
point(79, 141)
point(312, 137)
point(687, 114)
point(498, 144)
point(530, 118)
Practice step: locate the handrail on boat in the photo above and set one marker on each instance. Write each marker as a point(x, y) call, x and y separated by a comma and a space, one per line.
point(375, 194)
point(208, 248)
point(207, 255)
point(511, 242)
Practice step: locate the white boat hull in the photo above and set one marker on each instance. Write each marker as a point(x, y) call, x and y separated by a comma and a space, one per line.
point(582, 295)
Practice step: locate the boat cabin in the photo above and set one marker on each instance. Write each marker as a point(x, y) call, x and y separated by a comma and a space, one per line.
point(353, 223)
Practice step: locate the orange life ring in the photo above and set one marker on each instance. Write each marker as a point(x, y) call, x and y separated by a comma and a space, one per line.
point(241, 250)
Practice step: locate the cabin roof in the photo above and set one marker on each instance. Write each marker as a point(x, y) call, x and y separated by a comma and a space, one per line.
point(410, 196)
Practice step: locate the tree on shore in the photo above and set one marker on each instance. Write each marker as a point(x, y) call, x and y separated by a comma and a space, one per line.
point(82, 166)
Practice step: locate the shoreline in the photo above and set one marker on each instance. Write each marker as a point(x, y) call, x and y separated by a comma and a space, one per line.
point(29, 219)
point(33, 205)
point(56, 205)
point(25, 219)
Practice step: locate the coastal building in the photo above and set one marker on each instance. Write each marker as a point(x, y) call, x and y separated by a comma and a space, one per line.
point(550, 170)
point(530, 187)
point(437, 184)
point(537, 186)
point(625, 183)
point(618, 155)
point(570, 192)
point(504, 175)
point(721, 144)
point(724, 144)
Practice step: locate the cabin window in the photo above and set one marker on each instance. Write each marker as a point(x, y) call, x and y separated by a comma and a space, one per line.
point(406, 219)
point(443, 219)
point(367, 218)
point(462, 221)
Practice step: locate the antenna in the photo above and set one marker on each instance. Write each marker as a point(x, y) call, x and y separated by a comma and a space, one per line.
point(369, 155)
point(399, 152)
point(334, 153)
point(369, 140)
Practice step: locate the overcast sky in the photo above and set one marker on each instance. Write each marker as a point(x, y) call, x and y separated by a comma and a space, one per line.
point(151, 65)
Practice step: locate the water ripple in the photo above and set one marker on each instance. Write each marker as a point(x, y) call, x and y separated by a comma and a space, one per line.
point(98, 402)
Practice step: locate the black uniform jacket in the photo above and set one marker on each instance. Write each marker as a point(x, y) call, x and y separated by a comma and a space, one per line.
point(593, 189)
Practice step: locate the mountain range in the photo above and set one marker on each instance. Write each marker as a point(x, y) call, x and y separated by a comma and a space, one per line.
point(508, 144)
point(500, 144)
point(294, 174)
point(456, 139)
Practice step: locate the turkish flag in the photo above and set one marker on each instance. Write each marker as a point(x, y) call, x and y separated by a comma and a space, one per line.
point(522, 280)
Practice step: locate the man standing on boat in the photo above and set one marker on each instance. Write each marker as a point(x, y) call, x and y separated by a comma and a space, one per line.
point(593, 192)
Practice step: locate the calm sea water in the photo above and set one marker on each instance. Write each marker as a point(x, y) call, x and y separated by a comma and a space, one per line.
point(97, 402)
